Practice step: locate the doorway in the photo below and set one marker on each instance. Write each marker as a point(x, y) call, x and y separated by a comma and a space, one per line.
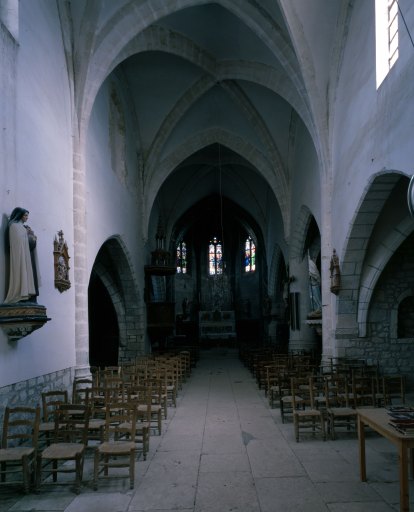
point(103, 325)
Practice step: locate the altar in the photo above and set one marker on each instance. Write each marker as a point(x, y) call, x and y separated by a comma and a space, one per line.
point(215, 325)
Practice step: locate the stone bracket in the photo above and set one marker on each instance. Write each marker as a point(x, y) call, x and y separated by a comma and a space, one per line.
point(21, 319)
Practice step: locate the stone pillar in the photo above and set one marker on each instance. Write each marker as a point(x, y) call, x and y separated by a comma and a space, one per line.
point(82, 368)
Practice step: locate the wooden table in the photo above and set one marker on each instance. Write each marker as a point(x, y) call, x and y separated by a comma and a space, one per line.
point(378, 419)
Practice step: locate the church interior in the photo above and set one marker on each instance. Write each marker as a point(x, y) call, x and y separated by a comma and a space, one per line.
point(227, 177)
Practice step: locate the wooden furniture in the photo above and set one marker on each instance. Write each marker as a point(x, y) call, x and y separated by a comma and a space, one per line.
point(159, 278)
point(50, 401)
point(79, 388)
point(118, 448)
point(339, 413)
point(394, 389)
point(21, 425)
point(69, 444)
point(305, 413)
point(377, 419)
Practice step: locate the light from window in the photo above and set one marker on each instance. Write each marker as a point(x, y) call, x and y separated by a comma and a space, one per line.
point(215, 257)
point(182, 258)
point(386, 37)
point(249, 255)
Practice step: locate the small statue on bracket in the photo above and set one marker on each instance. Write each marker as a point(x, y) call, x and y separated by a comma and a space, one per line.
point(61, 259)
point(335, 273)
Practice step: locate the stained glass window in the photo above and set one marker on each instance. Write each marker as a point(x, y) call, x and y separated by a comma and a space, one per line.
point(249, 255)
point(215, 257)
point(182, 258)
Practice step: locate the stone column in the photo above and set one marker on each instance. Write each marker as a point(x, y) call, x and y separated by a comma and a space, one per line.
point(82, 368)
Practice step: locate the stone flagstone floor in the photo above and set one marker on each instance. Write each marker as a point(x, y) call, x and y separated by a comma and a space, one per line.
point(223, 450)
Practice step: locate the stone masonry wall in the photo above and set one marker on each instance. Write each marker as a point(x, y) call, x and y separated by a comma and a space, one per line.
point(382, 345)
point(29, 392)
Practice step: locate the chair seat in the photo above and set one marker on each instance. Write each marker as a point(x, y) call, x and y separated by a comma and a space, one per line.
point(96, 423)
point(48, 426)
point(16, 453)
point(308, 413)
point(153, 407)
point(116, 447)
point(342, 411)
point(63, 450)
point(288, 399)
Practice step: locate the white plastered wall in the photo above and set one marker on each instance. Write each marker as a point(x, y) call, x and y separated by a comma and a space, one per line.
point(111, 206)
point(41, 181)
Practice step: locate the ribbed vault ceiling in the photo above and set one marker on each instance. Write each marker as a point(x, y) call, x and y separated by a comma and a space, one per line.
point(209, 75)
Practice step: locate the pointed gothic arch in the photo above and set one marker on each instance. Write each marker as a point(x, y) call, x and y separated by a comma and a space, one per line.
point(113, 274)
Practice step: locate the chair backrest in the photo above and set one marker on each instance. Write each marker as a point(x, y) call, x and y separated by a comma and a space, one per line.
point(51, 400)
point(20, 426)
point(113, 381)
point(96, 401)
point(303, 388)
point(120, 422)
point(363, 390)
point(141, 398)
point(71, 423)
point(337, 391)
point(79, 389)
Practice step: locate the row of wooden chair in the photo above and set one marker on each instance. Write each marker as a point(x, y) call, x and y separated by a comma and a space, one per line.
point(358, 381)
point(114, 414)
point(328, 402)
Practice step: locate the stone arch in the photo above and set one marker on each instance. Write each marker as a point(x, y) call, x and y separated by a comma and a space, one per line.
point(358, 275)
point(298, 239)
point(278, 284)
point(105, 43)
point(277, 183)
point(113, 267)
point(374, 267)
point(185, 103)
point(156, 38)
point(394, 312)
point(277, 257)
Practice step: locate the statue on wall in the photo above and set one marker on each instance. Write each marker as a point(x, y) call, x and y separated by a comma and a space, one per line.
point(24, 276)
point(61, 260)
point(314, 290)
point(335, 273)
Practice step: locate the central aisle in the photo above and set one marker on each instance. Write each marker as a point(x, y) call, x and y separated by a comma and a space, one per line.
point(224, 450)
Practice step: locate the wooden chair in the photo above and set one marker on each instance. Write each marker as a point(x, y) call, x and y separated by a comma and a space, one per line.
point(141, 398)
point(274, 384)
point(286, 403)
point(19, 444)
point(50, 401)
point(363, 391)
point(394, 389)
point(170, 384)
point(154, 402)
point(118, 449)
point(305, 413)
point(96, 401)
point(339, 412)
point(69, 444)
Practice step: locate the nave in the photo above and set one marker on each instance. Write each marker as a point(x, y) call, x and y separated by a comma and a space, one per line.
point(223, 449)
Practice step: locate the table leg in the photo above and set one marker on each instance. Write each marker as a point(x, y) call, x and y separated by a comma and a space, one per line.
point(412, 462)
point(361, 442)
point(404, 499)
